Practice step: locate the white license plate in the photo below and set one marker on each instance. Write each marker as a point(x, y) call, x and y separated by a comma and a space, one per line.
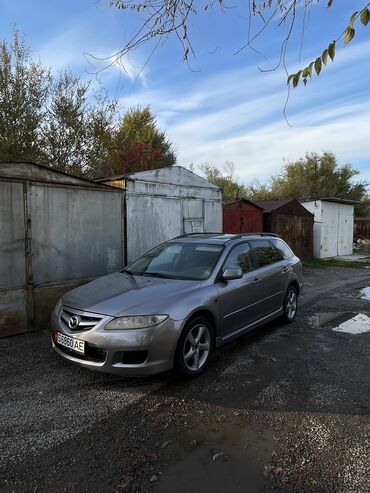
point(71, 343)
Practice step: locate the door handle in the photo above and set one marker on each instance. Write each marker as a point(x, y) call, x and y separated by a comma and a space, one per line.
point(285, 269)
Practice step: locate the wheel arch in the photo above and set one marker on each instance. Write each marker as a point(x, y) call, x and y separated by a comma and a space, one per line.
point(295, 284)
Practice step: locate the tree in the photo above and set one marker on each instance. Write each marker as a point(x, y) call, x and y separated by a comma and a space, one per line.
point(24, 92)
point(318, 176)
point(138, 144)
point(225, 179)
point(162, 19)
point(76, 133)
point(54, 120)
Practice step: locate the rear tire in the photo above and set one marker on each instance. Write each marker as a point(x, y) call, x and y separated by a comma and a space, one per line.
point(194, 348)
point(290, 306)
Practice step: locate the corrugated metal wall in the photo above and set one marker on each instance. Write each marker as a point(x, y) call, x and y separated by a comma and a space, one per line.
point(53, 237)
point(58, 231)
point(165, 203)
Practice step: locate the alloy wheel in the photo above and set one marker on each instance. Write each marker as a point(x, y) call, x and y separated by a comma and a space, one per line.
point(291, 304)
point(196, 347)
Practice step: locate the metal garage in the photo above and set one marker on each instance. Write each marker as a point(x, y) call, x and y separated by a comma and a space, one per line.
point(164, 203)
point(242, 216)
point(333, 228)
point(292, 222)
point(56, 232)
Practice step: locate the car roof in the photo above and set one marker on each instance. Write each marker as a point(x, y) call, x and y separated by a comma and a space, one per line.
point(219, 238)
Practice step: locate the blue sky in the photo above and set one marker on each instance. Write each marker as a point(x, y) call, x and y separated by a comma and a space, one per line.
point(224, 108)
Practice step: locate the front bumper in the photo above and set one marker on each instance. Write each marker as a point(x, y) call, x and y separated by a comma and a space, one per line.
point(108, 351)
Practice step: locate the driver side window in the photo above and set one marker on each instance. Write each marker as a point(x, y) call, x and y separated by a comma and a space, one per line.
point(240, 258)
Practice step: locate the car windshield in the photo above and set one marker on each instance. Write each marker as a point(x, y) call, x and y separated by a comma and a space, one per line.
point(194, 261)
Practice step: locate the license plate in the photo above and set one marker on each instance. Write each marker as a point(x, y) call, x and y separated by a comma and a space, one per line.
point(71, 343)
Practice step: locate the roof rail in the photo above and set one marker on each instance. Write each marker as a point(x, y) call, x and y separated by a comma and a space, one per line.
point(233, 237)
point(210, 233)
point(243, 235)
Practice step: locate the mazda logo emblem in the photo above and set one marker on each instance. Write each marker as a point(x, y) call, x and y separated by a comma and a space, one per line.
point(73, 321)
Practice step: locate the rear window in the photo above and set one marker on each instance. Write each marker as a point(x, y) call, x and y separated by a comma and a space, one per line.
point(281, 249)
point(264, 252)
point(240, 258)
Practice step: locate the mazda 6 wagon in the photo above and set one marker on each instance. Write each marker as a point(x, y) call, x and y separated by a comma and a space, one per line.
point(174, 305)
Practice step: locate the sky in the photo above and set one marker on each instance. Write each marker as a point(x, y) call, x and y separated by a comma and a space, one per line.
point(222, 106)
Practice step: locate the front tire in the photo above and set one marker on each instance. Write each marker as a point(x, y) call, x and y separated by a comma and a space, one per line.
point(290, 306)
point(194, 348)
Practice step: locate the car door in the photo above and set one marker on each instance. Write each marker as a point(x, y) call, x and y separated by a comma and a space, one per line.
point(271, 277)
point(238, 297)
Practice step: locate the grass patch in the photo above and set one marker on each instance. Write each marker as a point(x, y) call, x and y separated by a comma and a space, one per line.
point(332, 262)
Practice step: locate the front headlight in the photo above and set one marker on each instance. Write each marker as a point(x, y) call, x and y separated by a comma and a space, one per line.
point(137, 322)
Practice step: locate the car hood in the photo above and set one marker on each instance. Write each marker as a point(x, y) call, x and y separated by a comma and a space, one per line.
point(120, 294)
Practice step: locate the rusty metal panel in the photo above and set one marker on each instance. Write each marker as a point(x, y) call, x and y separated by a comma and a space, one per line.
point(297, 232)
point(37, 172)
point(239, 221)
point(242, 216)
point(46, 297)
point(13, 306)
point(12, 235)
point(76, 233)
point(13, 311)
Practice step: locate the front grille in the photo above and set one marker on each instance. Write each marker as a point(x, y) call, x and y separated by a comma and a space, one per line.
point(86, 321)
point(95, 354)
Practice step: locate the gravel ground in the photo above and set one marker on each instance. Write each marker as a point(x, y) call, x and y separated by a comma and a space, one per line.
point(283, 409)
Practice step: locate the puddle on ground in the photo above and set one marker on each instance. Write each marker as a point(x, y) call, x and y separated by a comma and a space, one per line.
point(365, 293)
point(219, 458)
point(350, 323)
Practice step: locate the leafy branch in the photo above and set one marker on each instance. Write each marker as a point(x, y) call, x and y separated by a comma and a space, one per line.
point(329, 52)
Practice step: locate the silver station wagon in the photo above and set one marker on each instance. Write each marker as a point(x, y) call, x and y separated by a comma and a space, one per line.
point(174, 305)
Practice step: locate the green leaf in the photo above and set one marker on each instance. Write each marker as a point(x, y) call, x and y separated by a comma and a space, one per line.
point(324, 57)
point(305, 81)
point(353, 18)
point(296, 79)
point(348, 35)
point(290, 78)
point(331, 50)
point(310, 67)
point(365, 16)
point(318, 65)
point(330, 3)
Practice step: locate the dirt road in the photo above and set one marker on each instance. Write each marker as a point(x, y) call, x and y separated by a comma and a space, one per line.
point(283, 409)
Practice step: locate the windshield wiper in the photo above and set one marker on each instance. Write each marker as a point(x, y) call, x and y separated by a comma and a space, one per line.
point(127, 271)
point(158, 274)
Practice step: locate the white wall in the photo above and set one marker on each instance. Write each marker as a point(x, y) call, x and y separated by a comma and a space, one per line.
point(345, 229)
point(333, 228)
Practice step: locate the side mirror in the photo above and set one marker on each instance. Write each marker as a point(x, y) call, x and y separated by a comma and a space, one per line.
point(229, 274)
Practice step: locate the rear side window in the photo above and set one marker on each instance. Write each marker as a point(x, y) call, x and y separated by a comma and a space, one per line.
point(240, 258)
point(281, 249)
point(264, 252)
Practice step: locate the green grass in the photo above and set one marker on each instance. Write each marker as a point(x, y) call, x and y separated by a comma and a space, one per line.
point(350, 264)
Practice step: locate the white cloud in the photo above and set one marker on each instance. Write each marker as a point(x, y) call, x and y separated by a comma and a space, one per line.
point(67, 50)
point(237, 116)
